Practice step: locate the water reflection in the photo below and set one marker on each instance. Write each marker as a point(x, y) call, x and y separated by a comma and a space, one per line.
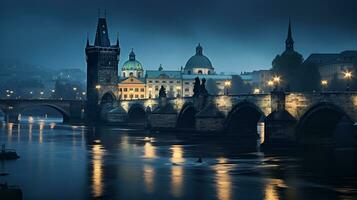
point(30, 132)
point(177, 171)
point(223, 180)
point(97, 171)
point(41, 126)
point(149, 150)
point(149, 175)
point(271, 186)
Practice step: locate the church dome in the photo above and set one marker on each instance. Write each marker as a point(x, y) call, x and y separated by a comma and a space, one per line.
point(132, 63)
point(198, 60)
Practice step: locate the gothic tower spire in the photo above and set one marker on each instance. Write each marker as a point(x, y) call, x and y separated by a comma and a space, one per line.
point(289, 42)
point(101, 36)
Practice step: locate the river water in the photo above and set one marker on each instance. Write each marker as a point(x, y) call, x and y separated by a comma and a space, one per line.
point(76, 162)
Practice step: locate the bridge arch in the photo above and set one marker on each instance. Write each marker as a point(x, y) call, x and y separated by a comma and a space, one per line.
point(243, 119)
point(108, 97)
point(318, 123)
point(186, 118)
point(65, 114)
point(136, 113)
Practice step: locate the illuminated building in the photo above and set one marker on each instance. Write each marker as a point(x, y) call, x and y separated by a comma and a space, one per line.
point(132, 84)
point(170, 80)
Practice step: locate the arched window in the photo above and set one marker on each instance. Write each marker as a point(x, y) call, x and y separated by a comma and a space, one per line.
point(199, 71)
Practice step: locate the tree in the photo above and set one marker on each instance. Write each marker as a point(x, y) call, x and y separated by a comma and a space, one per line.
point(296, 75)
point(196, 87)
point(286, 66)
point(238, 86)
point(212, 87)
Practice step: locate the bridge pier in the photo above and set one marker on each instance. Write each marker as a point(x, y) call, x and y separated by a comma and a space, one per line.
point(210, 119)
point(163, 118)
point(279, 126)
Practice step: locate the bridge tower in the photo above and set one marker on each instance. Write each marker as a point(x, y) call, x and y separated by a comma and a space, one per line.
point(102, 68)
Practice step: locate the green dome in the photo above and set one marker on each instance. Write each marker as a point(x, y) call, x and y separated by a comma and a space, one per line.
point(132, 63)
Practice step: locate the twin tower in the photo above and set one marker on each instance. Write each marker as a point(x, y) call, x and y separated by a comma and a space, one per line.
point(102, 68)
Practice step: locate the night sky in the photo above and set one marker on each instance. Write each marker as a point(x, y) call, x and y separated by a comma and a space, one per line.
point(236, 35)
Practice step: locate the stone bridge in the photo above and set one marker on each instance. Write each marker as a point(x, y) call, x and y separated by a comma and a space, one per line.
point(71, 110)
point(285, 116)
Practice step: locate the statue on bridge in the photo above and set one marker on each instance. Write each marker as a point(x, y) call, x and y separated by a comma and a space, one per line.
point(162, 92)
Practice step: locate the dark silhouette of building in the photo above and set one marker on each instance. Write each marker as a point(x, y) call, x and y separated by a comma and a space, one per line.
point(289, 42)
point(102, 67)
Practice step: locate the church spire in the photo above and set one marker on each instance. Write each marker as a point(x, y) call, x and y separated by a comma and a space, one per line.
point(101, 36)
point(117, 44)
point(289, 42)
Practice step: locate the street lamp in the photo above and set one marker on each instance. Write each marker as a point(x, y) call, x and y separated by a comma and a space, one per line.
point(276, 81)
point(97, 87)
point(256, 91)
point(324, 84)
point(347, 75)
point(227, 85)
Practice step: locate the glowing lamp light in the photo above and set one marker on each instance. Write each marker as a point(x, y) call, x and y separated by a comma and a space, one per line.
point(347, 75)
point(256, 91)
point(324, 82)
point(276, 79)
point(41, 93)
point(227, 83)
point(83, 93)
point(97, 87)
point(74, 89)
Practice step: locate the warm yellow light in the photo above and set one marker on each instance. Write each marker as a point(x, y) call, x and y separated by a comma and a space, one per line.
point(256, 91)
point(178, 87)
point(324, 82)
point(97, 87)
point(227, 83)
point(270, 83)
point(276, 79)
point(347, 74)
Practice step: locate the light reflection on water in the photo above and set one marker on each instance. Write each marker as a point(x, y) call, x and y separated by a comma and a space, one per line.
point(223, 179)
point(116, 164)
point(177, 170)
point(97, 174)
